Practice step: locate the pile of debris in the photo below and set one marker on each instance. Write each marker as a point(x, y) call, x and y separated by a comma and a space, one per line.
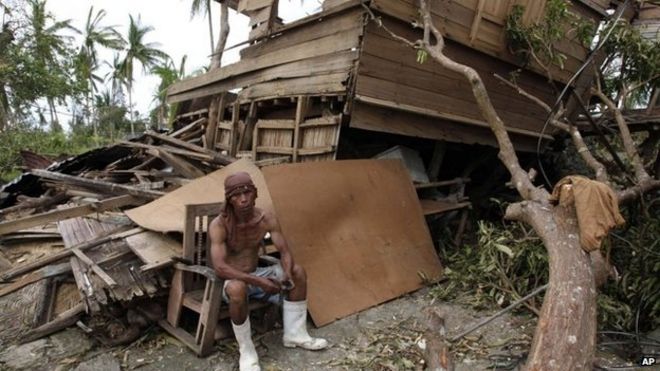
point(66, 248)
point(70, 255)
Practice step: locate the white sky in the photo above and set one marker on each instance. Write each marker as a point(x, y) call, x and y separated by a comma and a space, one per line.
point(175, 32)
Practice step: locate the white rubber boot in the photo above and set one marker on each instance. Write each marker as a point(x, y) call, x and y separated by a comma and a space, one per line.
point(295, 327)
point(249, 360)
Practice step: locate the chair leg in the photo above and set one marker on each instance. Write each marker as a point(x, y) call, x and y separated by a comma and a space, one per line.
point(175, 301)
point(208, 318)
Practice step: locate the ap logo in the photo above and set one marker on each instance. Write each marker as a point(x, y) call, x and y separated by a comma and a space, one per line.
point(648, 361)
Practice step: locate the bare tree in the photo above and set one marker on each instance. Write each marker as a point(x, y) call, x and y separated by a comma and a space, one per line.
point(566, 332)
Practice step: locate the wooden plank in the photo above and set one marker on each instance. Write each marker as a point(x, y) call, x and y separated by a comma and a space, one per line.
point(154, 249)
point(262, 15)
point(178, 142)
point(60, 322)
point(109, 187)
point(321, 121)
point(316, 150)
point(327, 63)
point(91, 264)
point(84, 286)
point(430, 207)
point(343, 40)
point(454, 19)
point(46, 272)
point(252, 5)
point(317, 85)
point(375, 118)
point(276, 124)
point(301, 112)
point(180, 165)
point(277, 150)
point(443, 115)
point(216, 158)
point(188, 127)
point(350, 20)
point(67, 213)
point(113, 236)
point(477, 20)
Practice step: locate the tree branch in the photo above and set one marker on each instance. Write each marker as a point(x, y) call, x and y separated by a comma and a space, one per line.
point(579, 143)
point(626, 137)
point(507, 153)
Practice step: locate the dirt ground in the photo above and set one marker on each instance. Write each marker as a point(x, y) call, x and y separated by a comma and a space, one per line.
point(385, 337)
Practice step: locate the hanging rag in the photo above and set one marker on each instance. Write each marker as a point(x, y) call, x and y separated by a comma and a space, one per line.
point(596, 207)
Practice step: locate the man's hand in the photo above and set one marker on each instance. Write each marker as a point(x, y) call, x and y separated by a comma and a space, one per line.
point(270, 286)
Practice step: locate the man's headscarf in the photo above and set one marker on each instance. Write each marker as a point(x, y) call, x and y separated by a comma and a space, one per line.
point(234, 184)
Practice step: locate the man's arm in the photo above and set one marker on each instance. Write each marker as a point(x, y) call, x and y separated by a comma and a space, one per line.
point(280, 243)
point(219, 258)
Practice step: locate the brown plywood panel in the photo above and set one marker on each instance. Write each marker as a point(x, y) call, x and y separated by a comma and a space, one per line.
point(167, 213)
point(357, 228)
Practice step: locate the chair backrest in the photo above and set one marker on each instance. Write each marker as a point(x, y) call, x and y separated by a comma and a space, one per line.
point(196, 244)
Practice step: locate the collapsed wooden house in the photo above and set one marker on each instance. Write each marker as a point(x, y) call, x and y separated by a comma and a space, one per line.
point(324, 86)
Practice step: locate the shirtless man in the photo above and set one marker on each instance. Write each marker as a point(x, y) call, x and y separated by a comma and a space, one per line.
point(236, 236)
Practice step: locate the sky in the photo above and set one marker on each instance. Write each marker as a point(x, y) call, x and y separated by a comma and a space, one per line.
point(174, 31)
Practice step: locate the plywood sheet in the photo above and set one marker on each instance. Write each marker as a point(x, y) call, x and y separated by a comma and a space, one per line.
point(167, 213)
point(357, 228)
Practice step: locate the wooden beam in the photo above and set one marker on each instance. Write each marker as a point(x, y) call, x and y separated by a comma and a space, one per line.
point(51, 271)
point(301, 112)
point(113, 188)
point(67, 213)
point(248, 133)
point(439, 149)
point(215, 157)
point(91, 264)
point(113, 236)
point(180, 165)
point(60, 322)
point(187, 127)
point(183, 144)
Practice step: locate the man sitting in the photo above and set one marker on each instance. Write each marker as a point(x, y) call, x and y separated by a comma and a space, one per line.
point(236, 235)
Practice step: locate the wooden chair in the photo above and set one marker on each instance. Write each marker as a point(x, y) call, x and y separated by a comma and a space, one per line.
point(196, 287)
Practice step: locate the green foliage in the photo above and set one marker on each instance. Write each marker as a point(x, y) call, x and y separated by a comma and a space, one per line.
point(508, 262)
point(37, 140)
point(631, 59)
point(636, 254)
point(539, 38)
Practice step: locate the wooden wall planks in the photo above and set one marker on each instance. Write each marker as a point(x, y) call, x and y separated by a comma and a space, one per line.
point(389, 71)
point(457, 18)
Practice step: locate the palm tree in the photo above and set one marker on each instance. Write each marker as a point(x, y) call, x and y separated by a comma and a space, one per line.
point(146, 53)
point(94, 35)
point(203, 7)
point(50, 51)
point(168, 74)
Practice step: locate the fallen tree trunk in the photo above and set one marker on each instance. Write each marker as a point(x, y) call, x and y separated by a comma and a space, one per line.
point(436, 352)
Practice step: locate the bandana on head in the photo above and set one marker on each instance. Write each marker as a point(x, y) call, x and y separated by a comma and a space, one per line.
point(238, 182)
point(234, 184)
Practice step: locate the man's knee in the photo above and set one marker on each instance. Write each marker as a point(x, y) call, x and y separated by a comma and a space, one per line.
point(299, 274)
point(236, 290)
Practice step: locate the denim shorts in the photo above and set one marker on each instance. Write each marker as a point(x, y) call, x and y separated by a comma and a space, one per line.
point(257, 293)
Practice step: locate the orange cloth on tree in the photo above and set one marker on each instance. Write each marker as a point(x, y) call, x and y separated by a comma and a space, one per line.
point(595, 204)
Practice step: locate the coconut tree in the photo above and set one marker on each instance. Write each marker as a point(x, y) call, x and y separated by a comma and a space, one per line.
point(203, 8)
point(51, 53)
point(168, 74)
point(95, 35)
point(138, 50)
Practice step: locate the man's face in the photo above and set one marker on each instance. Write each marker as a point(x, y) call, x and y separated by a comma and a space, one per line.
point(243, 199)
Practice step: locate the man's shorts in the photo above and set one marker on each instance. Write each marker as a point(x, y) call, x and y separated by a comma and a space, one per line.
point(274, 271)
